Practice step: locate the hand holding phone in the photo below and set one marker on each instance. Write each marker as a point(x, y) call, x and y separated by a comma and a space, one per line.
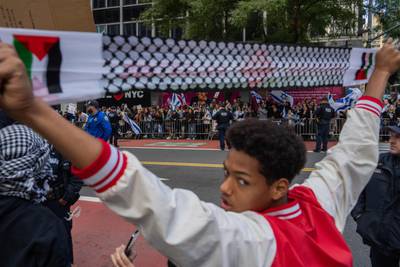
point(131, 243)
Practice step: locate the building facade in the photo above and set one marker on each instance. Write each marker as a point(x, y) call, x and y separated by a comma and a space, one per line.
point(115, 17)
point(122, 17)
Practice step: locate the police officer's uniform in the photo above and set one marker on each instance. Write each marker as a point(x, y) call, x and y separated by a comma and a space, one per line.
point(223, 118)
point(114, 120)
point(98, 124)
point(324, 114)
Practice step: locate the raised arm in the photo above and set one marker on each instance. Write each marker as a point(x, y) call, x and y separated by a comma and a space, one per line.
point(176, 222)
point(17, 100)
point(341, 176)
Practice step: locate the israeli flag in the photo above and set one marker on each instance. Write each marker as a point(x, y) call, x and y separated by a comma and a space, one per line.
point(135, 128)
point(284, 113)
point(256, 96)
point(346, 102)
point(177, 100)
point(281, 97)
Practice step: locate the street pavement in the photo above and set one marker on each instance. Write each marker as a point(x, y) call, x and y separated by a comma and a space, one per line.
point(98, 231)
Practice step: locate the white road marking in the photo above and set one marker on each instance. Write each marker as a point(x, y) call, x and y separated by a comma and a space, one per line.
point(90, 199)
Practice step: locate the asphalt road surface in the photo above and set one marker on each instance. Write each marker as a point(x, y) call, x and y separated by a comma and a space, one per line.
point(200, 172)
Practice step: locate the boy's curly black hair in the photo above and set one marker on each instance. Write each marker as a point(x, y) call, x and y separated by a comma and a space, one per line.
point(279, 151)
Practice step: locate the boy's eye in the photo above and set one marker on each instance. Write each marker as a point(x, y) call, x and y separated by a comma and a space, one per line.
point(243, 182)
point(226, 173)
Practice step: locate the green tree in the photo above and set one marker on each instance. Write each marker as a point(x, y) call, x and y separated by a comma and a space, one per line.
point(295, 21)
point(201, 19)
point(388, 12)
point(289, 21)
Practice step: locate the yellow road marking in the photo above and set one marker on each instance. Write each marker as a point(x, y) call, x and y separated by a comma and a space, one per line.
point(192, 164)
point(182, 164)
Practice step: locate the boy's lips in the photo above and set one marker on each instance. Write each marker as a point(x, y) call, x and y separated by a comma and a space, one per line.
point(225, 204)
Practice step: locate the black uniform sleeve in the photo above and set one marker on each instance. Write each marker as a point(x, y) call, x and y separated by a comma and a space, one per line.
point(360, 207)
point(216, 115)
point(72, 184)
point(230, 116)
point(318, 113)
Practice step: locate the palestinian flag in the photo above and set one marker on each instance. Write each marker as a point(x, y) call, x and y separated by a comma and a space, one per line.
point(41, 53)
point(366, 64)
point(360, 66)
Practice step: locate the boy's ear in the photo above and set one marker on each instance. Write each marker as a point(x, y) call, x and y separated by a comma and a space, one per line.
point(280, 188)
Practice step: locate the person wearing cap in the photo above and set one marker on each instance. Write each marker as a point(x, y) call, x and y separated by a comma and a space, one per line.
point(223, 118)
point(377, 212)
point(262, 220)
point(114, 118)
point(324, 114)
point(98, 124)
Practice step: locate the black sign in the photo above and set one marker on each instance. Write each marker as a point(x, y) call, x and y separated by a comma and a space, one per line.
point(131, 98)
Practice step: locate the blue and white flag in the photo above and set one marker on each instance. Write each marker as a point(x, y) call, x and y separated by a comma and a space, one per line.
point(281, 97)
point(284, 113)
point(346, 102)
point(135, 128)
point(256, 96)
point(177, 100)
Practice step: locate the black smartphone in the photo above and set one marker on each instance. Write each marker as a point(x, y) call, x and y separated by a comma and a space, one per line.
point(131, 243)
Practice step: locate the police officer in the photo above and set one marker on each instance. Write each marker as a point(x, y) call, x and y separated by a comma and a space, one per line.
point(378, 207)
point(114, 118)
point(63, 193)
point(223, 118)
point(323, 114)
point(98, 124)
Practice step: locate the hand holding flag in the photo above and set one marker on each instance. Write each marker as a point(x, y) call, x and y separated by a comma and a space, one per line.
point(16, 92)
point(135, 128)
point(346, 102)
point(281, 97)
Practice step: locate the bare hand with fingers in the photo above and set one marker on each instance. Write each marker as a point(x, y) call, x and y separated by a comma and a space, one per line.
point(16, 91)
point(119, 259)
point(388, 58)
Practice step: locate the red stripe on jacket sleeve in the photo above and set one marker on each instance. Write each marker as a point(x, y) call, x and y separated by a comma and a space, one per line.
point(116, 179)
point(370, 104)
point(96, 165)
point(372, 99)
point(104, 172)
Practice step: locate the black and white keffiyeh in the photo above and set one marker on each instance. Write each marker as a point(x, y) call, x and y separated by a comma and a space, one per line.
point(24, 165)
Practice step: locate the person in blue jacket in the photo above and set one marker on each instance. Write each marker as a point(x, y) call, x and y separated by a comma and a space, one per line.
point(97, 124)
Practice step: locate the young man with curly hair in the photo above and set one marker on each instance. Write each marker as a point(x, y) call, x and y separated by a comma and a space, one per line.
point(262, 221)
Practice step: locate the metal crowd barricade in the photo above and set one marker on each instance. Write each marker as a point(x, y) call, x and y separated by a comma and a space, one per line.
point(200, 129)
point(170, 129)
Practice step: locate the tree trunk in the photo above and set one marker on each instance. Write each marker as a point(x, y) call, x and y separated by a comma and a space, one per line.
point(296, 21)
point(360, 21)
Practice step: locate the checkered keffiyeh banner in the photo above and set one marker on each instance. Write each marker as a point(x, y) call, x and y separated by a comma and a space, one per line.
point(166, 64)
point(70, 66)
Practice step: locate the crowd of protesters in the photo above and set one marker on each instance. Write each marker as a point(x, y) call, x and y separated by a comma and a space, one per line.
point(194, 120)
